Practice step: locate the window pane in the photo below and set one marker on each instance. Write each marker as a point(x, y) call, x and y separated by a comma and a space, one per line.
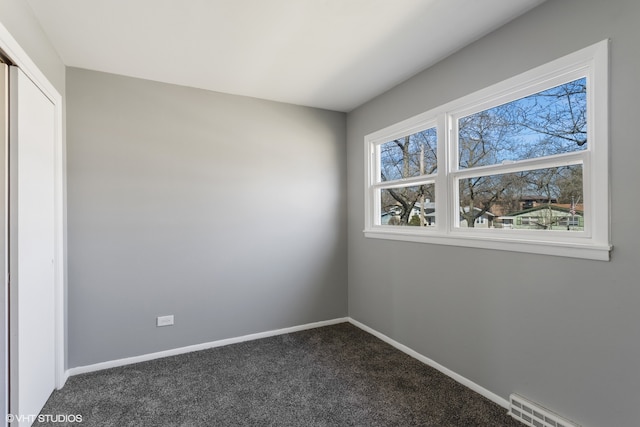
point(413, 206)
point(409, 156)
point(541, 199)
point(550, 122)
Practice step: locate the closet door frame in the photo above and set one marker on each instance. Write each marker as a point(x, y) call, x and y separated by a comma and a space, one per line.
point(19, 57)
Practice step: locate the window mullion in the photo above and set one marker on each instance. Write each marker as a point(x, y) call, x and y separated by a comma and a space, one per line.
point(407, 182)
point(559, 160)
point(443, 194)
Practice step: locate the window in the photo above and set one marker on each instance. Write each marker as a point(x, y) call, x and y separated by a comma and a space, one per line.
point(408, 164)
point(521, 165)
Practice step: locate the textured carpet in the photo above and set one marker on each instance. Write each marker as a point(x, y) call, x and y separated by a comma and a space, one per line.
point(332, 376)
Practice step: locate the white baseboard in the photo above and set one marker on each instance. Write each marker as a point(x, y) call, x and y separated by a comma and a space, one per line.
point(204, 346)
point(457, 377)
point(197, 347)
point(63, 379)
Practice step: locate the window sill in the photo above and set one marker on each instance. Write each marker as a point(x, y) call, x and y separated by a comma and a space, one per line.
point(586, 250)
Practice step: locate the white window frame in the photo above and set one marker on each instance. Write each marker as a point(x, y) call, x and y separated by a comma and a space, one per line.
point(592, 243)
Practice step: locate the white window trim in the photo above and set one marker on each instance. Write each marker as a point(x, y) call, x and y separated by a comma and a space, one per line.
point(593, 243)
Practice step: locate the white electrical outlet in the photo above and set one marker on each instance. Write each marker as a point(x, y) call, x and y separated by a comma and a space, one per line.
point(164, 320)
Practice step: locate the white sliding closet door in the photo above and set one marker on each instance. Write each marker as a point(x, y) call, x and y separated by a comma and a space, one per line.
point(4, 295)
point(31, 247)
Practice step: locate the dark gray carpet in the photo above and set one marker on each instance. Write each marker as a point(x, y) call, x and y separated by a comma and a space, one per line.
point(331, 376)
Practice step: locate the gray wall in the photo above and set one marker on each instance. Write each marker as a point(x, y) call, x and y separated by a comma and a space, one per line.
point(563, 332)
point(227, 212)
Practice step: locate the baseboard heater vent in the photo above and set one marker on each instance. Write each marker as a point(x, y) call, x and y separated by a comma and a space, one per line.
point(534, 415)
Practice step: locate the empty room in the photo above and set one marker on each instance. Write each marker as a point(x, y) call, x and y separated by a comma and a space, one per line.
point(320, 212)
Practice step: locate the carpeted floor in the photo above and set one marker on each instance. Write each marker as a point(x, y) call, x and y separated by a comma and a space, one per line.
point(332, 376)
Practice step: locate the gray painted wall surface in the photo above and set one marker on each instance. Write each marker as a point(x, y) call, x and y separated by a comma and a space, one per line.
point(563, 332)
point(227, 212)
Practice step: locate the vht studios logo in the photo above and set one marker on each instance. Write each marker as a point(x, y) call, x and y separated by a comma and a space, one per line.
point(45, 418)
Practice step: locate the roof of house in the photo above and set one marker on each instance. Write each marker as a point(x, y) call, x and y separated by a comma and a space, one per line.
point(561, 208)
point(535, 198)
point(466, 209)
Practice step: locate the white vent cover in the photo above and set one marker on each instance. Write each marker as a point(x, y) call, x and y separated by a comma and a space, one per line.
point(534, 415)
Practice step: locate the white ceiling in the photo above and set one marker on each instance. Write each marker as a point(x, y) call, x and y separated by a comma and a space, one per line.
point(333, 54)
